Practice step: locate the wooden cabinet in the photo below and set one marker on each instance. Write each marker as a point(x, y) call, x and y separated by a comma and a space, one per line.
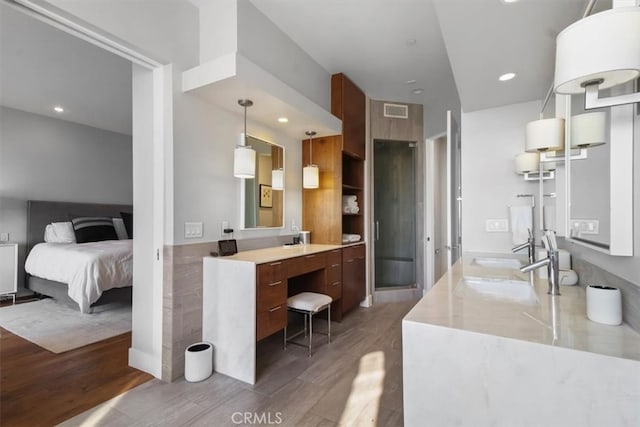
point(348, 103)
point(353, 277)
point(334, 275)
point(271, 303)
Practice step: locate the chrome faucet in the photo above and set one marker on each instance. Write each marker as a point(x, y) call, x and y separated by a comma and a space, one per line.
point(530, 244)
point(551, 261)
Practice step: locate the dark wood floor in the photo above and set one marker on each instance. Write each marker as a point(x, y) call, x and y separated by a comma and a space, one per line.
point(40, 388)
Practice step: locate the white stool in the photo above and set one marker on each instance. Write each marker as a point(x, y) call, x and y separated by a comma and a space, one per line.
point(308, 304)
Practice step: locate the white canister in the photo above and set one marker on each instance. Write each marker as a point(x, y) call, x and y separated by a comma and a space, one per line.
point(604, 304)
point(198, 362)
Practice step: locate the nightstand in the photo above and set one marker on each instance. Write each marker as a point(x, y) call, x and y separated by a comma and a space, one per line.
point(9, 270)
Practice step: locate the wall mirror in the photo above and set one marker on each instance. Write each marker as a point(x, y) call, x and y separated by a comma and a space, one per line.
point(546, 198)
point(600, 187)
point(262, 206)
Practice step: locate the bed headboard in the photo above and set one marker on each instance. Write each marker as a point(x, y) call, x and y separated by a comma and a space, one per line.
point(40, 213)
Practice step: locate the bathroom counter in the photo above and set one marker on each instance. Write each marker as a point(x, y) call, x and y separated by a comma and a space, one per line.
point(559, 321)
point(261, 256)
point(509, 363)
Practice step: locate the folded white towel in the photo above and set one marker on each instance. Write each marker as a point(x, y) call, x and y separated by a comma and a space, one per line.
point(350, 209)
point(349, 200)
point(521, 223)
point(350, 238)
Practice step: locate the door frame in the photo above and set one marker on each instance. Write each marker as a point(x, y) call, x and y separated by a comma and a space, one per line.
point(155, 130)
point(430, 209)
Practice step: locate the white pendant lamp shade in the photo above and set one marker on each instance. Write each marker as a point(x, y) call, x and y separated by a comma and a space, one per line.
point(588, 130)
point(244, 157)
point(527, 162)
point(277, 179)
point(244, 162)
point(544, 135)
point(604, 46)
point(310, 177)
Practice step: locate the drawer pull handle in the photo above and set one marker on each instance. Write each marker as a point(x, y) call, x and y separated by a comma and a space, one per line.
point(310, 256)
point(275, 283)
point(275, 309)
point(335, 265)
point(350, 260)
point(275, 263)
point(335, 283)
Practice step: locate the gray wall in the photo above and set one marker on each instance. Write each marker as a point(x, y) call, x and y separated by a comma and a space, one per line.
point(48, 159)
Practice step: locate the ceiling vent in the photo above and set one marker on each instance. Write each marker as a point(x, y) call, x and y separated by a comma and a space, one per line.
point(396, 111)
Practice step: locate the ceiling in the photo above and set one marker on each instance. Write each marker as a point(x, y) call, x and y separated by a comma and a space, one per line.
point(382, 45)
point(42, 67)
point(371, 41)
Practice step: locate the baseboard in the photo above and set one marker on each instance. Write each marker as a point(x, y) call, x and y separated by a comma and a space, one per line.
point(367, 302)
point(145, 362)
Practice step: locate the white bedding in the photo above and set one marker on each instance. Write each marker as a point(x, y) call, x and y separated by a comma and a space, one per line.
point(88, 268)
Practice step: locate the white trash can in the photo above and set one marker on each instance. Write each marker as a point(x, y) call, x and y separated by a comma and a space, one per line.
point(198, 362)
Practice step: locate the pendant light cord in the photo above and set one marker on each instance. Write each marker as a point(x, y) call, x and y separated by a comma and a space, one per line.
point(310, 134)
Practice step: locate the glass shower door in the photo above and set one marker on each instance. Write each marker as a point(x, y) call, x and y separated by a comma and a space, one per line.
point(394, 214)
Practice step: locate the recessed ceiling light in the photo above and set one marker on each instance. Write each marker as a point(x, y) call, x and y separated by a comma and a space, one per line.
point(410, 82)
point(58, 109)
point(506, 76)
point(509, 1)
point(283, 119)
point(418, 91)
point(411, 42)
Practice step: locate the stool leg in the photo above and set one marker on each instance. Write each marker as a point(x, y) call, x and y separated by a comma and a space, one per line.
point(310, 331)
point(329, 323)
point(305, 325)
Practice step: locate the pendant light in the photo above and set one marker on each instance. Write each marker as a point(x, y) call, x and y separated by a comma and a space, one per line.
point(599, 52)
point(244, 157)
point(310, 174)
point(277, 174)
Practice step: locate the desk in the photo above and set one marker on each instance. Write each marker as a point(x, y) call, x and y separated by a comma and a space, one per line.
point(245, 297)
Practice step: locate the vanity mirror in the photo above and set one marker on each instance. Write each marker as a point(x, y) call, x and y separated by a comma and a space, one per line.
point(600, 187)
point(262, 206)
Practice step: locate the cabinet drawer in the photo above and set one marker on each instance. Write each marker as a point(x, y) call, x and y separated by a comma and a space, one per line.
point(334, 257)
point(334, 289)
point(353, 252)
point(306, 264)
point(334, 272)
point(271, 321)
point(271, 294)
point(271, 272)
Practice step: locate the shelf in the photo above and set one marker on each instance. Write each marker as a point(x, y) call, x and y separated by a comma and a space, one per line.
point(226, 79)
point(351, 187)
point(351, 214)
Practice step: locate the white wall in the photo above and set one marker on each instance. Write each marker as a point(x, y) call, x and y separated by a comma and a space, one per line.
point(42, 158)
point(490, 141)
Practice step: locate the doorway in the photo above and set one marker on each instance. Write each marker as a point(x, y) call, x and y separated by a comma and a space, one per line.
point(394, 204)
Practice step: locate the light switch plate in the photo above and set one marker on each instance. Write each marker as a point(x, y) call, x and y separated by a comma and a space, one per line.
point(192, 230)
point(584, 226)
point(497, 225)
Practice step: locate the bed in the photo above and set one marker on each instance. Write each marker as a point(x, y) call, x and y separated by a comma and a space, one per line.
point(80, 275)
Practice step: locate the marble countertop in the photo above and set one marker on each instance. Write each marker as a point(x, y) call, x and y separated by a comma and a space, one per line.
point(559, 321)
point(278, 253)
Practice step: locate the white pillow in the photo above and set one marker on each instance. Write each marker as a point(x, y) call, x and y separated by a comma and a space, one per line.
point(121, 230)
point(59, 232)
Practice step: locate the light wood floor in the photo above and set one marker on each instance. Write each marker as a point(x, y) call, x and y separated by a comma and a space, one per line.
point(356, 380)
point(41, 388)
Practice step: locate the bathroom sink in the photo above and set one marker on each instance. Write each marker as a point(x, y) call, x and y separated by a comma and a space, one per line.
point(497, 262)
point(512, 290)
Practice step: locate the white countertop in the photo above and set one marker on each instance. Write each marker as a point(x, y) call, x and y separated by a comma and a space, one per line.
point(559, 321)
point(278, 253)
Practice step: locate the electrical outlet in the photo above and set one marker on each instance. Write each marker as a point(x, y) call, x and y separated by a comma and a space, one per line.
point(584, 226)
point(4, 237)
point(497, 225)
point(192, 230)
